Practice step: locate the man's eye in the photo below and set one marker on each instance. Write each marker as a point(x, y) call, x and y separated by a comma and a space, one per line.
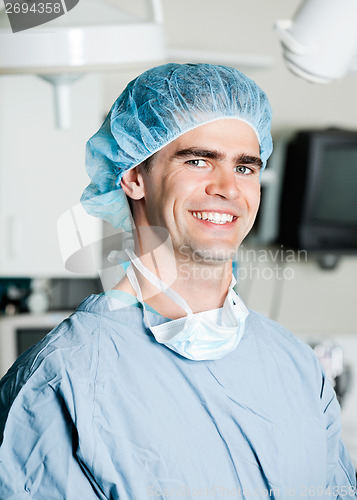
point(242, 169)
point(197, 163)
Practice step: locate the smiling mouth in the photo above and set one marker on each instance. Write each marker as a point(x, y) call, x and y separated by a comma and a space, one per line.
point(215, 217)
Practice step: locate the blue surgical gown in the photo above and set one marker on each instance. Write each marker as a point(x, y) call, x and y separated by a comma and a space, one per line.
point(99, 409)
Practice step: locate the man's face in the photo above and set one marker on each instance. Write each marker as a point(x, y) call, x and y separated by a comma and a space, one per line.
point(204, 189)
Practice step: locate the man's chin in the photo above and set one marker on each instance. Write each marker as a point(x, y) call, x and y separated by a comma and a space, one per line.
point(213, 255)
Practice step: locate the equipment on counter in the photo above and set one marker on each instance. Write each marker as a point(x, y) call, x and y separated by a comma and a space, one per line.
point(338, 372)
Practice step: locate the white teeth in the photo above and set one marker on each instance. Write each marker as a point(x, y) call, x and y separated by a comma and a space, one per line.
point(214, 217)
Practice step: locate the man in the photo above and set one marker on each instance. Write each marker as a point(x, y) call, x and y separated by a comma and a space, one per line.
point(166, 386)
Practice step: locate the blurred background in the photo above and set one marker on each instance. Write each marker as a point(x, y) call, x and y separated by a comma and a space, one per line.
point(85, 58)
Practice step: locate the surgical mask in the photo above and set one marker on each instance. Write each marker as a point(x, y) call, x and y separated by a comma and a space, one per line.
point(202, 336)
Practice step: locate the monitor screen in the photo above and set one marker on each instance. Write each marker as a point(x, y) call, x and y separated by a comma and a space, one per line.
point(336, 199)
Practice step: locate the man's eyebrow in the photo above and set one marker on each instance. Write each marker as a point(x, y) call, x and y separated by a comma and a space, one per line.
point(198, 152)
point(250, 160)
point(217, 155)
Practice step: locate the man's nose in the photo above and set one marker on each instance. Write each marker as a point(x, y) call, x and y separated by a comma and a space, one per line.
point(223, 183)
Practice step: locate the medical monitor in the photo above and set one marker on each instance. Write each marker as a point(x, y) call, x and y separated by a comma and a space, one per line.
point(318, 209)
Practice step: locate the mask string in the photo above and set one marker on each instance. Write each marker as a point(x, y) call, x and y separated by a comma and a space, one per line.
point(135, 284)
point(159, 284)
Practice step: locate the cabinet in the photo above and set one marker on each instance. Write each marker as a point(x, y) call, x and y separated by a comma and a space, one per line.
point(42, 171)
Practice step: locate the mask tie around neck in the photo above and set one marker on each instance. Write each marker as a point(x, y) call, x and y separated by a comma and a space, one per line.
point(157, 282)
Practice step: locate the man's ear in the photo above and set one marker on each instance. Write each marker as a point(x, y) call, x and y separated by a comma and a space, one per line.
point(132, 184)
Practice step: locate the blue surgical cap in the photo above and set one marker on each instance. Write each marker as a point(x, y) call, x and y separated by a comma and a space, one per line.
point(155, 109)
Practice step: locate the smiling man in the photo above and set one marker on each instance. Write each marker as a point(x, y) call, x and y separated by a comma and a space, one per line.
point(204, 188)
point(167, 386)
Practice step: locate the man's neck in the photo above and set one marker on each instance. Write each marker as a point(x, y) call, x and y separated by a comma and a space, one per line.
point(202, 286)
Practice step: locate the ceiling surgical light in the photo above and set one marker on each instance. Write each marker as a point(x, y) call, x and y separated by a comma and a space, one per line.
point(320, 43)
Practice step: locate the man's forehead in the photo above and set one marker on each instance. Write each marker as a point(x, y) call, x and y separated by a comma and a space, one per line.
point(217, 135)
